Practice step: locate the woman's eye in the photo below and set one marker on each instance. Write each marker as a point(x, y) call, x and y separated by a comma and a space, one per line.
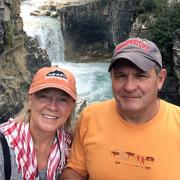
point(43, 96)
point(62, 100)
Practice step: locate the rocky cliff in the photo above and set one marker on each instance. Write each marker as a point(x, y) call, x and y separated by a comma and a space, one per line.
point(141, 27)
point(16, 60)
point(14, 75)
point(91, 30)
point(176, 56)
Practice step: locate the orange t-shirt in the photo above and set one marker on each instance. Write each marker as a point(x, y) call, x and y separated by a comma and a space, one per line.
point(108, 148)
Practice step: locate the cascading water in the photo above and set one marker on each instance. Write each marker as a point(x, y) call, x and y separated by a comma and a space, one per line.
point(93, 81)
point(46, 30)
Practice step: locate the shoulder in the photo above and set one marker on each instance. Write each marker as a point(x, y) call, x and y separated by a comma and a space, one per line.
point(170, 110)
point(170, 106)
point(14, 167)
point(4, 126)
point(96, 111)
point(12, 154)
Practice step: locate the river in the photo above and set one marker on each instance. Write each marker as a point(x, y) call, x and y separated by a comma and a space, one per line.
point(93, 80)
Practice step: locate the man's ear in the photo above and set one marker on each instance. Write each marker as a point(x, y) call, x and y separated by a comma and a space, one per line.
point(161, 78)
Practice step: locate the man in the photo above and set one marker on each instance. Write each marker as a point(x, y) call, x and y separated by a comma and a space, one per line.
point(136, 135)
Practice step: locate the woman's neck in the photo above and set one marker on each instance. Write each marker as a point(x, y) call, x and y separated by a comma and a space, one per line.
point(42, 143)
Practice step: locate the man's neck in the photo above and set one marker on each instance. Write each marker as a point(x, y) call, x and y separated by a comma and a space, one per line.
point(140, 117)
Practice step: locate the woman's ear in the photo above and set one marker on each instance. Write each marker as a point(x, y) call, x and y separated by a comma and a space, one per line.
point(161, 78)
point(30, 100)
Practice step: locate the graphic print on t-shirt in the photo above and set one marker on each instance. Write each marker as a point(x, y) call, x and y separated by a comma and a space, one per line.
point(132, 159)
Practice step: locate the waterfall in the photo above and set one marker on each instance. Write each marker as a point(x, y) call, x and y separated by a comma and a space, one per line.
point(47, 30)
point(50, 38)
point(93, 80)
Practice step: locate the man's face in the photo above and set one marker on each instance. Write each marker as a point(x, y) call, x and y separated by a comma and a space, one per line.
point(135, 90)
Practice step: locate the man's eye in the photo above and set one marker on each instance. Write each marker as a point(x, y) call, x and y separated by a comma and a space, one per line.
point(119, 75)
point(141, 75)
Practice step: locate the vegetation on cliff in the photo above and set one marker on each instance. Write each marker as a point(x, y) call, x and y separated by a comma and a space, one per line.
point(168, 20)
point(161, 31)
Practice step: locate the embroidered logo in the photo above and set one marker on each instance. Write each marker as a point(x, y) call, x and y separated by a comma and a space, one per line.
point(138, 43)
point(57, 74)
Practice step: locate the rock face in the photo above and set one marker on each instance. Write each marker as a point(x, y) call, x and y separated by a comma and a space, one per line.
point(91, 30)
point(171, 88)
point(15, 75)
point(176, 58)
point(36, 57)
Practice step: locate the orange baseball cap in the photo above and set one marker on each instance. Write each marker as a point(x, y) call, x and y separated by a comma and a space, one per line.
point(54, 77)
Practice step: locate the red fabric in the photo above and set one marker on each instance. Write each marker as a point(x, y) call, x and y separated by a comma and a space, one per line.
point(19, 138)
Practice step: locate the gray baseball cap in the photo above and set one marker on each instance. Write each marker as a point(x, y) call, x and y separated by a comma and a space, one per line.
point(142, 52)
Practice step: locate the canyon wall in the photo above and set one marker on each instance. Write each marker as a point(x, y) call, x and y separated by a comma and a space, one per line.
point(14, 75)
point(19, 59)
point(91, 30)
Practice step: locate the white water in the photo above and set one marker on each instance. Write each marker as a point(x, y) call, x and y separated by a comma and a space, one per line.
point(93, 81)
point(47, 30)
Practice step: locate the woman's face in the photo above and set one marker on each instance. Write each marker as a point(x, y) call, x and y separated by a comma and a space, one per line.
point(50, 109)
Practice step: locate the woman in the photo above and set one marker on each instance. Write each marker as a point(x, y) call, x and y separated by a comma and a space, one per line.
point(38, 138)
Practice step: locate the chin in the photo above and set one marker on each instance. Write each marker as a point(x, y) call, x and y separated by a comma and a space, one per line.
point(49, 127)
point(129, 107)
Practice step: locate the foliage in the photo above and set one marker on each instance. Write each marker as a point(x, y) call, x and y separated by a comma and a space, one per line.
point(149, 5)
point(145, 6)
point(161, 4)
point(168, 20)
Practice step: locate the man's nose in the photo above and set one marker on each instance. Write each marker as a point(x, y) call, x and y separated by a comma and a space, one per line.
point(130, 84)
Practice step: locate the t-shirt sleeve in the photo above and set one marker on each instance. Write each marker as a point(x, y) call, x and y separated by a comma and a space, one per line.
point(76, 159)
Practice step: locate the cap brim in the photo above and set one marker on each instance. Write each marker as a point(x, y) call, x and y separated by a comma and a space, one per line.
point(136, 58)
point(53, 85)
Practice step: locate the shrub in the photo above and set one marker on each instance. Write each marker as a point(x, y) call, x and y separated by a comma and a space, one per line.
point(167, 22)
point(149, 5)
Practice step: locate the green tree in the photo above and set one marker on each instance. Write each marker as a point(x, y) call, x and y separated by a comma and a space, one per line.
point(167, 22)
point(148, 5)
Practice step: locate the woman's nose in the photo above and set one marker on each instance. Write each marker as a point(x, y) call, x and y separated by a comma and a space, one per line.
point(53, 104)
